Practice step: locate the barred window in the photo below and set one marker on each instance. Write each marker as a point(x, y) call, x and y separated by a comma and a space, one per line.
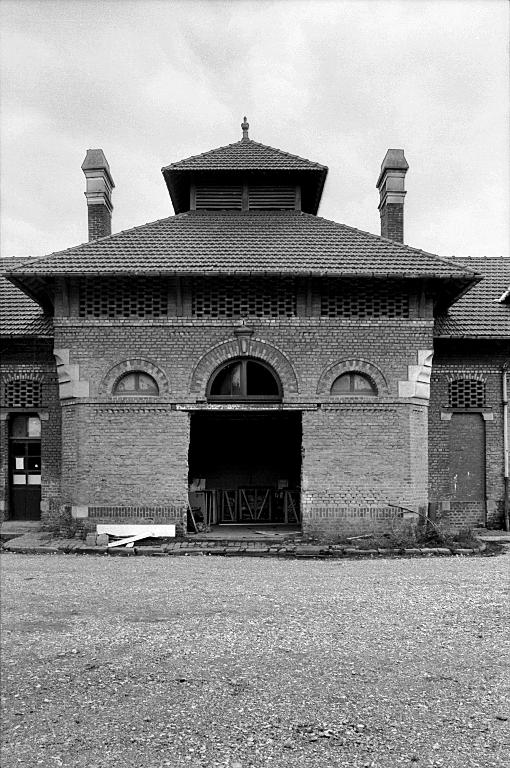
point(23, 393)
point(350, 298)
point(466, 393)
point(123, 297)
point(243, 297)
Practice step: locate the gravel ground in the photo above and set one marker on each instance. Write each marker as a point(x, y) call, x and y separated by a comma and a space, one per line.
point(238, 662)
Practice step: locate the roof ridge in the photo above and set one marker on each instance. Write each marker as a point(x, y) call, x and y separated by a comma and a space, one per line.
point(241, 143)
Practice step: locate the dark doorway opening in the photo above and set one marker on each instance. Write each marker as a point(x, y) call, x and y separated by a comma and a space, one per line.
point(25, 467)
point(245, 467)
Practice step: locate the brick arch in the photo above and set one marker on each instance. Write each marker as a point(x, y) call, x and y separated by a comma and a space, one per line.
point(127, 366)
point(467, 376)
point(235, 348)
point(356, 365)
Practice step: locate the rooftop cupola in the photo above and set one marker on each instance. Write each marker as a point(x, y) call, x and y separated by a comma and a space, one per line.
point(392, 193)
point(245, 176)
point(98, 193)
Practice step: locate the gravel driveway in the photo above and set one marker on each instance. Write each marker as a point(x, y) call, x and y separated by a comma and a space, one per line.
point(235, 662)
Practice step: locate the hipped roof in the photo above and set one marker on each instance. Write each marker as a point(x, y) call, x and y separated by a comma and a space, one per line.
point(246, 158)
point(480, 313)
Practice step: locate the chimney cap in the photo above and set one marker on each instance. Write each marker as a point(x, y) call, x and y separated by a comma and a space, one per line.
point(394, 160)
point(95, 160)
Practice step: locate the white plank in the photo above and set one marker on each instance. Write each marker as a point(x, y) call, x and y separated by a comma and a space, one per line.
point(147, 531)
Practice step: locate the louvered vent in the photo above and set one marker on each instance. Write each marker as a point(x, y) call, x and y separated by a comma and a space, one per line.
point(271, 198)
point(216, 198)
point(350, 298)
point(466, 393)
point(123, 297)
point(22, 393)
point(243, 297)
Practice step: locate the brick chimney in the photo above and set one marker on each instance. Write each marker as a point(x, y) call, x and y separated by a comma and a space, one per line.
point(98, 193)
point(391, 190)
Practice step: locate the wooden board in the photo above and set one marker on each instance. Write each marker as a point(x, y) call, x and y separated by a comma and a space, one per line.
point(147, 531)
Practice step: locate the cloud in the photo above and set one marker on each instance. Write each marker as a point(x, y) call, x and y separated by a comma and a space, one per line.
point(338, 82)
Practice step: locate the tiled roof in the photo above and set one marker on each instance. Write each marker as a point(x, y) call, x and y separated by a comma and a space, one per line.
point(480, 312)
point(20, 315)
point(229, 242)
point(245, 155)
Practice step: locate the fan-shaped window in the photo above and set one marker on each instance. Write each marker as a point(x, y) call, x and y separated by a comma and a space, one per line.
point(244, 380)
point(353, 383)
point(136, 383)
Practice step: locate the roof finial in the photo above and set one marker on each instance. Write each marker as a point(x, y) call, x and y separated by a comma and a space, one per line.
point(245, 125)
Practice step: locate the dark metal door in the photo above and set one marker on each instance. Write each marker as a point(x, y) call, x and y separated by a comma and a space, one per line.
point(467, 457)
point(25, 467)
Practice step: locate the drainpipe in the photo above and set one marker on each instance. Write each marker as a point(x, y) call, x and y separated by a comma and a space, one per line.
point(505, 447)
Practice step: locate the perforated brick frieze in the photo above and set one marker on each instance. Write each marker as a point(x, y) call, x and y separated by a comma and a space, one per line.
point(349, 298)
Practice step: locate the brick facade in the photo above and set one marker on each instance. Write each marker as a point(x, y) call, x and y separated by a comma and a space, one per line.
point(483, 361)
point(33, 361)
point(359, 453)
point(340, 322)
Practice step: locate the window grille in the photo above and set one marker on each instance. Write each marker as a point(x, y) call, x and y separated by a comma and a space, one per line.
point(219, 198)
point(267, 198)
point(23, 393)
point(123, 297)
point(355, 299)
point(466, 393)
point(243, 297)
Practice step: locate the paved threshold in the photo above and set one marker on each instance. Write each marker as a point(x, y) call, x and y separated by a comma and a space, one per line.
point(42, 543)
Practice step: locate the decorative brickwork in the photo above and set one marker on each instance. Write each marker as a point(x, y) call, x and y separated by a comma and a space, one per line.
point(110, 380)
point(243, 297)
point(349, 298)
point(119, 297)
point(22, 393)
point(466, 393)
point(254, 348)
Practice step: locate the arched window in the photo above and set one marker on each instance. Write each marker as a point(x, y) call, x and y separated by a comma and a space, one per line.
point(353, 383)
point(244, 380)
point(136, 383)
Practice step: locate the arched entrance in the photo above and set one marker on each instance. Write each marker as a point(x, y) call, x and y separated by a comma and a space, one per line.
point(245, 456)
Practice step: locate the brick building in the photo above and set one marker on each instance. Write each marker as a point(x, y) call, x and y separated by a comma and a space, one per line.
point(254, 360)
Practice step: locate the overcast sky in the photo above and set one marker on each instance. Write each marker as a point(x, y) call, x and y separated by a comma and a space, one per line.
point(337, 82)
